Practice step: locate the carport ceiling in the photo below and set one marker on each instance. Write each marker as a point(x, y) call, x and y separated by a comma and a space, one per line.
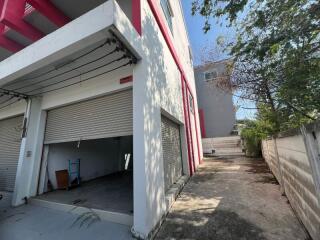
point(101, 58)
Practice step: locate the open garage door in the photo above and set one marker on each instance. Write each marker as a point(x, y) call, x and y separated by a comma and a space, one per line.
point(10, 142)
point(88, 150)
point(105, 117)
point(171, 145)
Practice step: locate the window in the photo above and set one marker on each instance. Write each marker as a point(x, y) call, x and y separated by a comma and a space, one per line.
point(167, 13)
point(210, 76)
point(191, 103)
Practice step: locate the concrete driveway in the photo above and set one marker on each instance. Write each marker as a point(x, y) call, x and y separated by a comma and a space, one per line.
point(31, 222)
point(232, 198)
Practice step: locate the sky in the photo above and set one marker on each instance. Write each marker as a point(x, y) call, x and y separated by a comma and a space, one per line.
point(199, 40)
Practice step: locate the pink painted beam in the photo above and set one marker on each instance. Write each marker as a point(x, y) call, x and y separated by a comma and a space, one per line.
point(7, 43)
point(47, 9)
point(202, 123)
point(136, 15)
point(12, 13)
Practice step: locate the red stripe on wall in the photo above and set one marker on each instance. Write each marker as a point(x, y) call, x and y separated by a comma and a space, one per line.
point(126, 80)
point(165, 32)
point(187, 127)
point(136, 15)
point(202, 123)
point(197, 134)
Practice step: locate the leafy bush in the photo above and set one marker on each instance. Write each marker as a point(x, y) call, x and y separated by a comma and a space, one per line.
point(252, 136)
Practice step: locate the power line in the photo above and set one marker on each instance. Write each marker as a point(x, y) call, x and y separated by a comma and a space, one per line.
point(7, 100)
point(78, 75)
point(108, 41)
point(10, 103)
point(23, 95)
point(117, 49)
point(84, 80)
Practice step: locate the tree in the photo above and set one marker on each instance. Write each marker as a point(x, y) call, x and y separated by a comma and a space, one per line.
point(276, 55)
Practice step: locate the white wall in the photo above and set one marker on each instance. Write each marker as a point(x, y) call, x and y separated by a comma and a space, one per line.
point(97, 157)
point(156, 88)
point(181, 42)
point(13, 110)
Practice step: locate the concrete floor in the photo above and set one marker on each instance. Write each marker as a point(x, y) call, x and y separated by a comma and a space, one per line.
point(113, 193)
point(30, 222)
point(232, 198)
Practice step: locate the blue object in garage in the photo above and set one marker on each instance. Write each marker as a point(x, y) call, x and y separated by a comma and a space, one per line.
point(74, 172)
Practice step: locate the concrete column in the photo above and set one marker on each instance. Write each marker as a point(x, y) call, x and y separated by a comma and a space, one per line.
point(30, 153)
point(148, 178)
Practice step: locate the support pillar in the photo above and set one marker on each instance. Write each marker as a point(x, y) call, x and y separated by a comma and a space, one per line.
point(148, 176)
point(30, 152)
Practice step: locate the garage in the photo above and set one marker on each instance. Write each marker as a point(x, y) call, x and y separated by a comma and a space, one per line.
point(10, 139)
point(87, 156)
point(171, 146)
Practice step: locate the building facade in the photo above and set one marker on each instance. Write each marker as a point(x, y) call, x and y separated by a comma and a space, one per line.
point(105, 85)
point(216, 110)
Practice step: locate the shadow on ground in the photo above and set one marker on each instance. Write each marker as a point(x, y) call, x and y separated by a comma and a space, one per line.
point(231, 199)
point(218, 224)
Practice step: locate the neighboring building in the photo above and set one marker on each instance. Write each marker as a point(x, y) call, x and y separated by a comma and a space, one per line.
point(216, 110)
point(108, 82)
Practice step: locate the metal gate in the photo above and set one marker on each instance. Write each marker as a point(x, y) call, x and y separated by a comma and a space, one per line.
point(171, 145)
point(104, 117)
point(10, 142)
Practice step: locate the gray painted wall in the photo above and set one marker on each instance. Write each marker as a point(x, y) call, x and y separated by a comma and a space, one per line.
point(219, 114)
point(97, 157)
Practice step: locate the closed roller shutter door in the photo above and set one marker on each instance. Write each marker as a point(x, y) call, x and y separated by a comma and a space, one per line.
point(10, 142)
point(171, 145)
point(104, 117)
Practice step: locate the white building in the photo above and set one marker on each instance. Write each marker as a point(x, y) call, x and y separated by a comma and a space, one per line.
point(108, 82)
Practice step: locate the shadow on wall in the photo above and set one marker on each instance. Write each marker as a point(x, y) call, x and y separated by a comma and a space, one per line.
point(160, 88)
point(160, 91)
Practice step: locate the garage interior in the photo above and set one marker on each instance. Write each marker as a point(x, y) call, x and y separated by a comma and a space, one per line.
point(95, 172)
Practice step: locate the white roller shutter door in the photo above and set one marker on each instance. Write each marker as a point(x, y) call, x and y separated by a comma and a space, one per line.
point(103, 117)
point(171, 146)
point(10, 142)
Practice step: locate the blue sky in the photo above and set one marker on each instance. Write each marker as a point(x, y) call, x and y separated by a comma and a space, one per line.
point(199, 40)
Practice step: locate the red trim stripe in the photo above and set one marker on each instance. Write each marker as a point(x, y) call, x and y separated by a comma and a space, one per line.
point(126, 80)
point(165, 32)
point(202, 123)
point(197, 134)
point(136, 15)
point(187, 127)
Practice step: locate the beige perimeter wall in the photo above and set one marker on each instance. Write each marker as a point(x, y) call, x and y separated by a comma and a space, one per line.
point(294, 159)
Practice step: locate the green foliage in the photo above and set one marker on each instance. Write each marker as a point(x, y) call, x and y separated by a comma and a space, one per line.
point(218, 8)
point(252, 134)
point(278, 42)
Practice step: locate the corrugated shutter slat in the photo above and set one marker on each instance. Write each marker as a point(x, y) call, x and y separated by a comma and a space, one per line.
point(10, 142)
point(103, 117)
point(171, 146)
